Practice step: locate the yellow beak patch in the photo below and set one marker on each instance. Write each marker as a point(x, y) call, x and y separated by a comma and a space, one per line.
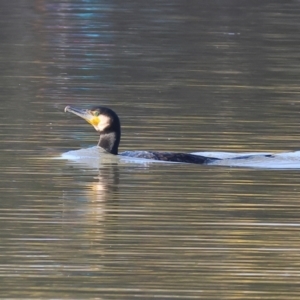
point(94, 121)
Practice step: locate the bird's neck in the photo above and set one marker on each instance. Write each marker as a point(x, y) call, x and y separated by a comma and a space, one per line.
point(109, 141)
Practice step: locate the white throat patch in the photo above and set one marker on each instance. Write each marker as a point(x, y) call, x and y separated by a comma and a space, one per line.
point(105, 122)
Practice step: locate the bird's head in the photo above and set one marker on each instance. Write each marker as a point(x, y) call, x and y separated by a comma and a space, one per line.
point(103, 119)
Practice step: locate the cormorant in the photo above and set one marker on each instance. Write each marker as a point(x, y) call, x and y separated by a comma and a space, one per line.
point(107, 123)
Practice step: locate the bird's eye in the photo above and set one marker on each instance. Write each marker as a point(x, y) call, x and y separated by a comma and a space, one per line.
point(96, 113)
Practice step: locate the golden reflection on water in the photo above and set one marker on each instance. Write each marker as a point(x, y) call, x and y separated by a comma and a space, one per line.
point(142, 229)
point(182, 78)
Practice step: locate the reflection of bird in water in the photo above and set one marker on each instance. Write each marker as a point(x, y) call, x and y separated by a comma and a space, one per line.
point(107, 123)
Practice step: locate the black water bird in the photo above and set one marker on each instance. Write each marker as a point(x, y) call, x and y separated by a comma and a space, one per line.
point(107, 123)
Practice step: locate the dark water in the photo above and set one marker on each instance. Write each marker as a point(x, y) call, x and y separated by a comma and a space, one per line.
point(183, 76)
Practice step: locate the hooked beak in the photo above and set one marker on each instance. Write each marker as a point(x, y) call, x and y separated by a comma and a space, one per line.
point(85, 114)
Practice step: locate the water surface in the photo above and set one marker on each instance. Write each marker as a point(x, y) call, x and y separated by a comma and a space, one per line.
point(197, 76)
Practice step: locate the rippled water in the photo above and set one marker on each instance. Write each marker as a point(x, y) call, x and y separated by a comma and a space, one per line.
point(183, 76)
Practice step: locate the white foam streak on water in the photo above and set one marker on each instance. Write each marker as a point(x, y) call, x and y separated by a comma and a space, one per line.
point(285, 160)
point(95, 156)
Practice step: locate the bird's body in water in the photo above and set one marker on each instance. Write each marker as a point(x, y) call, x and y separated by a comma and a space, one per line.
point(107, 123)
